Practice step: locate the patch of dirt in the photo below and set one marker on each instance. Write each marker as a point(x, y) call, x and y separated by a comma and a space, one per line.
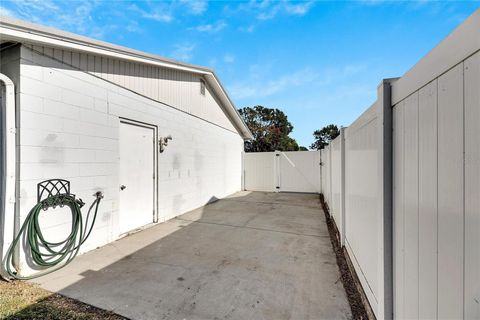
point(24, 300)
point(349, 280)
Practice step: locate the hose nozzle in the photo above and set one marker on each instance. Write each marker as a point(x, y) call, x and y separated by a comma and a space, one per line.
point(98, 194)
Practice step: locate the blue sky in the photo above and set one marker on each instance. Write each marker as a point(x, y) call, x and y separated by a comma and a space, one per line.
point(318, 61)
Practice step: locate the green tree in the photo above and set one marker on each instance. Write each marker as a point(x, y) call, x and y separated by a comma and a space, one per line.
point(302, 148)
point(270, 129)
point(324, 136)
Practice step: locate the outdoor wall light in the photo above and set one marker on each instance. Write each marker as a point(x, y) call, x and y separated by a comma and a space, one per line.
point(163, 142)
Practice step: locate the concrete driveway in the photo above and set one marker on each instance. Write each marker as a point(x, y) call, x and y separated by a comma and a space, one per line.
point(253, 255)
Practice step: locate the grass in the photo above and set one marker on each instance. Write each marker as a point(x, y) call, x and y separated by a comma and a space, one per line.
point(23, 300)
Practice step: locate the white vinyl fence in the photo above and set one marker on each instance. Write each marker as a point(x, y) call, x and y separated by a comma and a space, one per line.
point(336, 164)
point(260, 172)
point(410, 185)
point(326, 174)
point(437, 207)
point(293, 171)
point(361, 192)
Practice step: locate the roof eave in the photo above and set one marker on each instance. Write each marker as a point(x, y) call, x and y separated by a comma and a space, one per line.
point(20, 31)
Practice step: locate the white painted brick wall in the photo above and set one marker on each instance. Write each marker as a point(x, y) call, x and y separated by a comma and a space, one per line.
point(69, 123)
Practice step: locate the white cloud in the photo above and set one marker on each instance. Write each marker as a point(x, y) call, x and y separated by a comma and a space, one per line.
point(36, 4)
point(257, 85)
point(158, 16)
point(6, 12)
point(351, 69)
point(248, 29)
point(133, 26)
point(229, 58)
point(78, 19)
point(158, 13)
point(268, 14)
point(183, 51)
point(298, 9)
point(100, 32)
point(211, 28)
point(243, 91)
point(339, 74)
point(212, 62)
point(259, 89)
point(196, 7)
point(371, 2)
point(266, 9)
point(74, 16)
point(33, 10)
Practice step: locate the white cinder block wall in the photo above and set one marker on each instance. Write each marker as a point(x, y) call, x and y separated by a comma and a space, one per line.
point(69, 126)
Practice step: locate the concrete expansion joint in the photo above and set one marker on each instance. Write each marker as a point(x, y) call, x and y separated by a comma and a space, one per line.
point(255, 228)
point(279, 204)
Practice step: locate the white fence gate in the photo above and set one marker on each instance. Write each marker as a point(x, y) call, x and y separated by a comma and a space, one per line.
point(292, 171)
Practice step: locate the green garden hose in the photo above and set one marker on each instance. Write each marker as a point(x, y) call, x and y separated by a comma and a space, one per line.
point(46, 255)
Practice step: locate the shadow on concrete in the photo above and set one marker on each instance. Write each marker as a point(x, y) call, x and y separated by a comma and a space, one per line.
point(253, 255)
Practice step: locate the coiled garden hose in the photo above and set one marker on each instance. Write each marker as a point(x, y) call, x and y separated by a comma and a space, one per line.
point(46, 255)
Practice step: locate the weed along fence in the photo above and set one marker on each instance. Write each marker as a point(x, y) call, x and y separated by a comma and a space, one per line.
point(402, 184)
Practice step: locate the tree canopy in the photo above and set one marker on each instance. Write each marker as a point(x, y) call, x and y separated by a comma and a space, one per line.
point(324, 136)
point(270, 129)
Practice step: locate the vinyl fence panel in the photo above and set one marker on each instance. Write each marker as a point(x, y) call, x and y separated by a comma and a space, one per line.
point(472, 186)
point(361, 200)
point(336, 180)
point(437, 211)
point(326, 174)
point(295, 171)
point(259, 171)
point(427, 201)
point(299, 171)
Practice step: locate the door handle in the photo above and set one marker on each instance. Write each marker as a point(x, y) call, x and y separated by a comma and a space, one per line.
point(123, 187)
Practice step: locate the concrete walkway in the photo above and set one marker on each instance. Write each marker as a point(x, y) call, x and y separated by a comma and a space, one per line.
point(253, 255)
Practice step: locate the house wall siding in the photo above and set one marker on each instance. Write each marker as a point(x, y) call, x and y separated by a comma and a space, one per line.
point(176, 88)
point(69, 126)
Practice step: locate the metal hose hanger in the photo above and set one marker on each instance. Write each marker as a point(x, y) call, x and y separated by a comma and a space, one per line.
point(46, 255)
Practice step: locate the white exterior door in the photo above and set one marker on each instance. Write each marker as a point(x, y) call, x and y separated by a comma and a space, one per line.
point(137, 176)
